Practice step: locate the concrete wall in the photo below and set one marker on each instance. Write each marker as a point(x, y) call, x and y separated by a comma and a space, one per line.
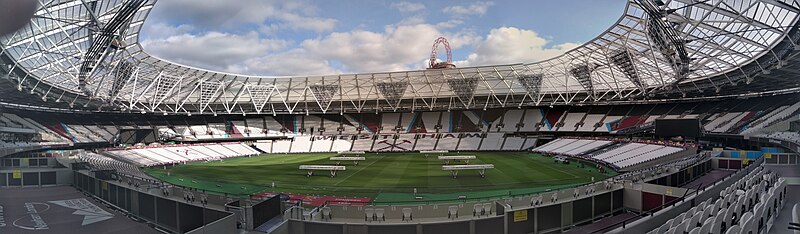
point(490, 225)
point(35, 177)
point(168, 213)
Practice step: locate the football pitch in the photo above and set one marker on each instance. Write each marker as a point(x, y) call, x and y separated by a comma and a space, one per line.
point(385, 177)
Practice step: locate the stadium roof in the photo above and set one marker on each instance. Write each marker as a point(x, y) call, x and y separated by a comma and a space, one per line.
point(86, 54)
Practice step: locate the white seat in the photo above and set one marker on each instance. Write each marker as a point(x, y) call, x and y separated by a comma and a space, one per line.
point(678, 219)
point(708, 212)
point(695, 230)
point(746, 223)
point(718, 205)
point(487, 207)
point(326, 213)
point(665, 227)
point(691, 212)
point(452, 212)
point(735, 229)
point(379, 214)
point(796, 216)
point(369, 214)
point(685, 225)
point(695, 220)
point(716, 227)
point(671, 230)
point(477, 210)
point(407, 216)
point(707, 225)
point(729, 216)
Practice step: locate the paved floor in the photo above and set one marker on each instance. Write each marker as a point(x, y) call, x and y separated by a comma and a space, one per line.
point(60, 209)
point(709, 178)
point(603, 223)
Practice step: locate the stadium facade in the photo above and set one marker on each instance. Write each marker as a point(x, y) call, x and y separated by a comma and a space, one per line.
point(85, 105)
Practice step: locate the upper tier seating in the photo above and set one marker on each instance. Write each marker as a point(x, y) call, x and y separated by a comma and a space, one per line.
point(107, 163)
point(572, 147)
point(513, 143)
point(445, 143)
point(493, 141)
point(786, 136)
point(170, 154)
point(629, 154)
point(777, 115)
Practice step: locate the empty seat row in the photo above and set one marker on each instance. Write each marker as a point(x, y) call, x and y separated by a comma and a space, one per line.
point(745, 207)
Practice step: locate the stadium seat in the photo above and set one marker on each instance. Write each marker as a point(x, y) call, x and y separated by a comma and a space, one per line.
point(719, 222)
point(707, 225)
point(796, 216)
point(686, 224)
point(665, 227)
point(407, 215)
point(696, 219)
point(708, 212)
point(379, 214)
point(735, 229)
point(535, 201)
point(477, 210)
point(758, 214)
point(487, 208)
point(369, 214)
point(452, 212)
point(678, 219)
point(746, 222)
point(326, 213)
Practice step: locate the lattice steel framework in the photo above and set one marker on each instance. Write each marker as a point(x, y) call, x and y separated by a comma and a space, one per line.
point(324, 94)
point(583, 73)
point(463, 88)
point(260, 95)
point(87, 52)
point(622, 59)
point(393, 92)
point(532, 83)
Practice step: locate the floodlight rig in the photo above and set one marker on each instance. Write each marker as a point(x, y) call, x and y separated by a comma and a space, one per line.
point(441, 65)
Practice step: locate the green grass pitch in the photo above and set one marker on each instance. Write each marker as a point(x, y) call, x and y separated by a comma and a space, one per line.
point(385, 177)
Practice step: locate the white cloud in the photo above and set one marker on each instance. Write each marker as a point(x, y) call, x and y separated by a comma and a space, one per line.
point(408, 6)
point(396, 48)
point(292, 62)
point(191, 39)
point(213, 50)
point(477, 8)
point(508, 45)
point(450, 24)
point(163, 30)
point(225, 14)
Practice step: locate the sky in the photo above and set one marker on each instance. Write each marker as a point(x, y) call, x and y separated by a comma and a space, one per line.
point(304, 37)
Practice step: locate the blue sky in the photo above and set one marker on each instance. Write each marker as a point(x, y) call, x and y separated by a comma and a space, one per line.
point(264, 37)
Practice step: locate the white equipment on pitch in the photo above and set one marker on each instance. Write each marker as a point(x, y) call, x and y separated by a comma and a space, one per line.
point(447, 159)
point(311, 168)
point(353, 159)
point(455, 168)
point(440, 152)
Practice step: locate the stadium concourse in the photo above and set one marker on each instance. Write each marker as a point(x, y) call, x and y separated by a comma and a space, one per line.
point(681, 117)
